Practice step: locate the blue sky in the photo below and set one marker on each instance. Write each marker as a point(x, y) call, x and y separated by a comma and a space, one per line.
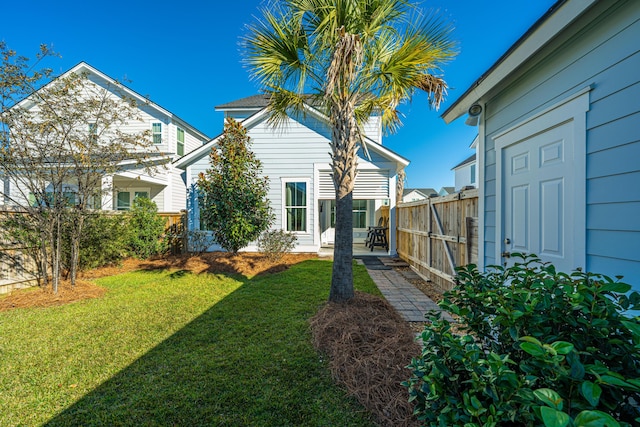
point(185, 56)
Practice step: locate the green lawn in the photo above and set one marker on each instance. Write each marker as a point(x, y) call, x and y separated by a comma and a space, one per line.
point(173, 348)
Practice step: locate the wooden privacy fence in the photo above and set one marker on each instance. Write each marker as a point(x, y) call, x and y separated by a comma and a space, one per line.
point(438, 234)
point(18, 268)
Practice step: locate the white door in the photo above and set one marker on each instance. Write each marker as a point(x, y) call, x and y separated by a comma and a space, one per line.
point(327, 222)
point(538, 197)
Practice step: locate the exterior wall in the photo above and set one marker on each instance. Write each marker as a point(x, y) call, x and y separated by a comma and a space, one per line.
point(463, 176)
point(414, 196)
point(296, 151)
point(600, 49)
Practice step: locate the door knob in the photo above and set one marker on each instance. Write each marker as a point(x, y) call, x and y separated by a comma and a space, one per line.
point(507, 241)
point(506, 254)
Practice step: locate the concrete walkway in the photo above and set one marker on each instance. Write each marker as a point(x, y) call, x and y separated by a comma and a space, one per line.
point(409, 301)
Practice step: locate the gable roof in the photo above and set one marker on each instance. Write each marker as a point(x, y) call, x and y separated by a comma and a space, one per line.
point(141, 100)
point(251, 102)
point(426, 192)
point(447, 190)
point(545, 29)
point(470, 159)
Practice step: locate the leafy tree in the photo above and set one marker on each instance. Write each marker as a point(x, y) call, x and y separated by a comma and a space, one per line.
point(59, 138)
point(350, 59)
point(146, 228)
point(232, 192)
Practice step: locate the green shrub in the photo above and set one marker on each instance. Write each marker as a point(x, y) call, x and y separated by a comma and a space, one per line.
point(541, 348)
point(147, 229)
point(275, 243)
point(104, 240)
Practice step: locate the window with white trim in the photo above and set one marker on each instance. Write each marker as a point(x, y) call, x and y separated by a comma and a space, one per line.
point(296, 206)
point(156, 131)
point(360, 214)
point(125, 198)
point(473, 173)
point(180, 139)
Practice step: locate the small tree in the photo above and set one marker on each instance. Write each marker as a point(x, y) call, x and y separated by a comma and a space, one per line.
point(146, 228)
point(232, 193)
point(58, 140)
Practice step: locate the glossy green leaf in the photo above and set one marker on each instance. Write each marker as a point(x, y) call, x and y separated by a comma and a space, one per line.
point(634, 327)
point(554, 418)
point(549, 398)
point(591, 392)
point(595, 419)
point(562, 347)
point(620, 288)
point(532, 349)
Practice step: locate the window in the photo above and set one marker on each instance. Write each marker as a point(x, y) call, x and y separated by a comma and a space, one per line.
point(156, 129)
point(125, 200)
point(473, 174)
point(359, 214)
point(180, 138)
point(295, 206)
point(93, 133)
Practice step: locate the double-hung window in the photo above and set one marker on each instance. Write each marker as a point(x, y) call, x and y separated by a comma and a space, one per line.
point(296, 205)
point(180, 139)
point(359, 214)
point(156, 131)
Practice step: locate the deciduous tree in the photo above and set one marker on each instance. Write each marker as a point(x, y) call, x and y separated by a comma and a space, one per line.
point(59, 138)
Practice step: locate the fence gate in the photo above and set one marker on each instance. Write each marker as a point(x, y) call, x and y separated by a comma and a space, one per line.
point(438, 234)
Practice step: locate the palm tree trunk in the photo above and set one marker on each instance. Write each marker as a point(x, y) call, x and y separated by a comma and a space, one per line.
point(342, 273)
point(343, 147)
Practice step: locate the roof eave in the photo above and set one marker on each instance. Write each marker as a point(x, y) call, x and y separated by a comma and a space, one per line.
point(558, 17)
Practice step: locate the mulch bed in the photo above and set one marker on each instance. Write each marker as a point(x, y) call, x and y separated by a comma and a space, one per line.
point(369, 345)
point(246, 264)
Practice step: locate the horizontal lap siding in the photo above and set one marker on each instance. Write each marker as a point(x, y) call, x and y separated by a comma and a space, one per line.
point(289, 152)
point(601, 51)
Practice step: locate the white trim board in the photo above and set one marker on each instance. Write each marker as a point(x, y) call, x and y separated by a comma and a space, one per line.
point(573, 111)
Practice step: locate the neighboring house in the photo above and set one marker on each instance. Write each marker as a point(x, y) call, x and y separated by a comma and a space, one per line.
point(445, 191)
point(559, 141)
point(295, 156)
point(466, 172)
point(415, 194)
point(172, 137)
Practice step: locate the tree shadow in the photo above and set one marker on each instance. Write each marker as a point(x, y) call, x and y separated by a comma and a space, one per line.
point(236, 364)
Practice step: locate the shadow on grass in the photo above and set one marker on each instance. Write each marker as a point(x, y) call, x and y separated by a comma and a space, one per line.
point(248, 360)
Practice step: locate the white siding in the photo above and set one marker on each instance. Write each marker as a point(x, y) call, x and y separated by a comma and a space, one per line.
point(601, 49)
point(296, 151)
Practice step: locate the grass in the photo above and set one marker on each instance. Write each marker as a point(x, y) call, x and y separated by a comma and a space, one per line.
point(175, 348)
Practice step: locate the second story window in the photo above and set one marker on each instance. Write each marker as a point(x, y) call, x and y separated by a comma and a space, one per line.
point(156, 130)
point(180, 139)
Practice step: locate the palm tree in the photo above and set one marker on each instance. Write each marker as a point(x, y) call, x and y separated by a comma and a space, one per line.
point(348, 59)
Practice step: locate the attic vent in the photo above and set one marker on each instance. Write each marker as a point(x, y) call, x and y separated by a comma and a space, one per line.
point(370, 184)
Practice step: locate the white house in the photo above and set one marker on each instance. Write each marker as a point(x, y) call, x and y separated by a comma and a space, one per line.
point(466, 172)
point(415, 194)
point(295, 157)
point(559, 141)
point(171, 136)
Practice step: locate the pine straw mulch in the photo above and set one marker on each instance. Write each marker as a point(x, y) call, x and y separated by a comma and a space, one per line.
point(369, 346)
point(246, 264)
